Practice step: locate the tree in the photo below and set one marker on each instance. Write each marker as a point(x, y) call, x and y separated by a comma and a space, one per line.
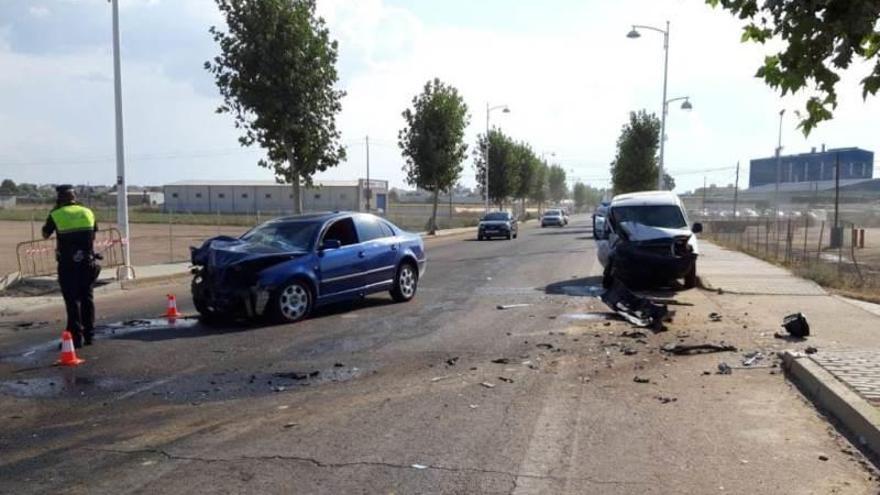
point(556, 183)
point(276, 72)
point(8, 187)
point(820, 40)
point(503, 178)
point(579, 194)
point(635, 166)
point(539, 192)
point(668, 182)
point(432, 142)
point(526, 164)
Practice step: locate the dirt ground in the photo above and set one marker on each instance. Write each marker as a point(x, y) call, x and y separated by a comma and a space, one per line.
point(149, 242)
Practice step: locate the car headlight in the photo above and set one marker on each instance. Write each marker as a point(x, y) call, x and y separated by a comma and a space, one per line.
point(507, 224)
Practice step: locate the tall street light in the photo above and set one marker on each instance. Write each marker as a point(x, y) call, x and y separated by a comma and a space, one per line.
point(125, 272)
point(489, 110)
point(778, 168)
point(634, 33)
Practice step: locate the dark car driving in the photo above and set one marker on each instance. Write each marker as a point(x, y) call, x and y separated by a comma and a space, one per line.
point(498, 224)
point(284, 268)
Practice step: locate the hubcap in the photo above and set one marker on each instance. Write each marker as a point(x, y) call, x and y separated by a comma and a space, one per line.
point(407, 281)
point(294, 302)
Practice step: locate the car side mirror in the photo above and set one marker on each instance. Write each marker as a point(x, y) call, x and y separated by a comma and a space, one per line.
point(697, 228)
point(331, 244)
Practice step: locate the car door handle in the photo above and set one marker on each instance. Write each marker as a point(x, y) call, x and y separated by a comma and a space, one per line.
point(394, 247)
point(361, 254)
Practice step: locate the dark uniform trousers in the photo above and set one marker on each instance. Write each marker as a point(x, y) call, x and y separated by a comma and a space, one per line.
point(76, 280)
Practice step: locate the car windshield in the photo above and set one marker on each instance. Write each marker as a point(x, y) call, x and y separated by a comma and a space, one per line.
point(289, 236)
point(496, 216)
point(552, 213)
point(665, 216)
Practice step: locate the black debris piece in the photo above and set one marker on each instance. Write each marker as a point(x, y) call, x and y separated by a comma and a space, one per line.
point(505, 379)
point(724, 369)
point(338, 365)
point(296, 375)
point(796, 325)
point(639, 379)
point(686, 349)
point(545, 346)
point(634, 334)
point(629, 351)
point(665, 400)
point(451, 361)
point(714, 316)
point(811, 350)
point(823, 457)
point(706, 373)
point(639, 311)
point(501, 361)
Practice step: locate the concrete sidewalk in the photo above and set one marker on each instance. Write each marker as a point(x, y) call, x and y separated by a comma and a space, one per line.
point(843, 376)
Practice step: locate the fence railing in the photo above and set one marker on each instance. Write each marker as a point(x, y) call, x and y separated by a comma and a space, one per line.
point(37, 258)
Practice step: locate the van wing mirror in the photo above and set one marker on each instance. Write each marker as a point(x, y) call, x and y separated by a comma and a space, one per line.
point(330, 244)
point(697, 228)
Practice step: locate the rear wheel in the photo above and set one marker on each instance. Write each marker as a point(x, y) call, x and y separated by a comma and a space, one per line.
point(293, 302)
point(405, 282)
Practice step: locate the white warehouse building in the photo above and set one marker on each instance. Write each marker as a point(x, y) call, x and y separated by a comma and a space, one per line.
point(250, 197)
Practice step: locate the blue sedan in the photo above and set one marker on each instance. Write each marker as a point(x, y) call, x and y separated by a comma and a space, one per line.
point(284, 268)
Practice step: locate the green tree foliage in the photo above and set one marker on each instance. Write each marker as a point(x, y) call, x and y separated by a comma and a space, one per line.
point(539, 191)
point(668, 182)
point(503, 174)
point(276, 72)
point(635, 166)
point(556, 183)
point(820, 38)
point(432, 142)
point(526, 164)
point(8, 187)
point(579, 194)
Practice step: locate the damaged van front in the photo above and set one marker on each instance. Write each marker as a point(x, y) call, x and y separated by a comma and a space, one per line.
point(647, 241)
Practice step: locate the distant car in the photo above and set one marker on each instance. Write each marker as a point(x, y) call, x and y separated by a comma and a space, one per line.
point(646, 240)
point(498, 224)
point(286, 267)
point(599, 218)
point(553, 217)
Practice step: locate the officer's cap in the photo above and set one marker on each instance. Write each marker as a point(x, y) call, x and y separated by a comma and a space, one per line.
point(63, 188)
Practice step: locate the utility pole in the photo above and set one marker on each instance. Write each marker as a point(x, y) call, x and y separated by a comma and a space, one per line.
point(736, 190)
point(664, 108)
point(121, 186)
point(837, 232)
point(369, 188)
point(704, 195)
point(778, 166)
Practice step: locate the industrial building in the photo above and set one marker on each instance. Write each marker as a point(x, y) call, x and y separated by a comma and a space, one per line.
point(855, 164)
point(250, 197)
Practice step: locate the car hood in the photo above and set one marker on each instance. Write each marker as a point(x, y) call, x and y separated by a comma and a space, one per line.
point(226, 251)
point(641, 232)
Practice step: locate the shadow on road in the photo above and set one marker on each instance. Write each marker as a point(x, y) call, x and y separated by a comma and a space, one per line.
point(584, 287)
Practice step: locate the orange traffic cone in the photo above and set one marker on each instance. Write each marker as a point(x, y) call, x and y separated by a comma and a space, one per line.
point(68, 353)
point(172, 311)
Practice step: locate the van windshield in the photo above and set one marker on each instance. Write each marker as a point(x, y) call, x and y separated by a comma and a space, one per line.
point(664, 216)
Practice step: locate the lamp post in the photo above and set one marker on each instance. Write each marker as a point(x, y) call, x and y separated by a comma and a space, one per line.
point(489, 110)
point(125, 272)
point(778, 168)
point(634, 33)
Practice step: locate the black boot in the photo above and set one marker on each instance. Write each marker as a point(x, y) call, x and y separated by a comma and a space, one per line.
point(88, 337)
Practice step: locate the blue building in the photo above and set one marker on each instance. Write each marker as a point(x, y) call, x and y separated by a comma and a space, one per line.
point(855, 163)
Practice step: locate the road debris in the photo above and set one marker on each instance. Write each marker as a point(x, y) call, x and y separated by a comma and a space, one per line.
point(338, 365)
point(724, 368)
point(639, 311)
point(665, 400)
point(511, 306)
point(796, 325)
point(634, 334)
point(290, 425)
point(501, 361)
point(823, 457)
point(451, 361)
point(419, 466)
point(639, 379)
point(714, 316)
point(811, 350)
point(473, 406)
point(750, 358)
point(505, 379)
point(487, 385)
point(681, 349)
point(629, 351)
point(544, 346)
point(295, 375)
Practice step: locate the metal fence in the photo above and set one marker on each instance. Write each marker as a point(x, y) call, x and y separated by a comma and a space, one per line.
point(37, 258)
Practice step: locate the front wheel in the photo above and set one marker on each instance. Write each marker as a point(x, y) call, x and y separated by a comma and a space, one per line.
point(293, 302)
point(405, 282)
point(690, 278)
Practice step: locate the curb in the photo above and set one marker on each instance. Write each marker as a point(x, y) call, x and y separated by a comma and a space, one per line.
point(138, 282)
point(9, 279)
point(854, 414)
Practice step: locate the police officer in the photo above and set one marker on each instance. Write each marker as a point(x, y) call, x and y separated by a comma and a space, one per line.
point(77, 270)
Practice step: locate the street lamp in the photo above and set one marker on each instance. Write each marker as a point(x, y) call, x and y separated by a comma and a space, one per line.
point(634, 34)
point(489, 110)
point(125, 272)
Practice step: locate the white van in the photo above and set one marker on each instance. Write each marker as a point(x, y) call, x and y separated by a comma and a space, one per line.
point(646, 240)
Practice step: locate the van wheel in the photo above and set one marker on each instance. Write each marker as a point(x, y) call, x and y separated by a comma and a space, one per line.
point(690, 278)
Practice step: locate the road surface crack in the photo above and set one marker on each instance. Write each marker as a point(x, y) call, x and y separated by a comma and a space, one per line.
point(337, 465)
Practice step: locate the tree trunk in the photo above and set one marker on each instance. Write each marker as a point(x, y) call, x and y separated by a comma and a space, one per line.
point(434, 213)
point(297, 196)
point(523, 212)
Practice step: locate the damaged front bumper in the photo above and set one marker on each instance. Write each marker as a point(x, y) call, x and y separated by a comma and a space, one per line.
point(218, 298)
point(656, 260)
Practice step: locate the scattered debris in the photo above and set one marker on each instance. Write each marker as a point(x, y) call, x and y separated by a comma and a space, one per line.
point(338, 365)
point(665, 400)
point(419, 466)
point(487, 385)
point(639, 311)
point(724, 368)
point(811, 350)
point(438, 378)
point(714, 317)
point(634, 334)
point(295, 375)
point(544, 346)
point(796, 325)
point(451, 361)
point(823, 457)
point(685, 349)
point(505, 379)
point(629, 351)
point(473, 406)
point(750, 358)
point(704, 373)
point(290, 425)
point(501, 361)
point(511, 306)
point(639, 379)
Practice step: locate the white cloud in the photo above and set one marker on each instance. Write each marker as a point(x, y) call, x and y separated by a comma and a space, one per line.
point(39, 11)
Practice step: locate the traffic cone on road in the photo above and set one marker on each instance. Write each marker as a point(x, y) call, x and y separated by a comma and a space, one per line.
point(68, 353)
point(172, 311)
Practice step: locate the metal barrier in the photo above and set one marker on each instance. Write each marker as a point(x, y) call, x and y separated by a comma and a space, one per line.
point(37, 258)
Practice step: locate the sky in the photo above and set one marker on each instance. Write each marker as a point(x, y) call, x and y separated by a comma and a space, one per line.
point(565, 68)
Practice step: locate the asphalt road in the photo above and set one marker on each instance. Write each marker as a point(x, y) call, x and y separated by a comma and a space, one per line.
point(377, 397)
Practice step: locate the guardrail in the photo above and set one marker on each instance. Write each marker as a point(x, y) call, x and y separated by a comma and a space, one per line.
point(37, 258)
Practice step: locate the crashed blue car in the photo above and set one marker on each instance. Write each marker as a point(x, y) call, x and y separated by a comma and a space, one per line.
point(284, 268)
